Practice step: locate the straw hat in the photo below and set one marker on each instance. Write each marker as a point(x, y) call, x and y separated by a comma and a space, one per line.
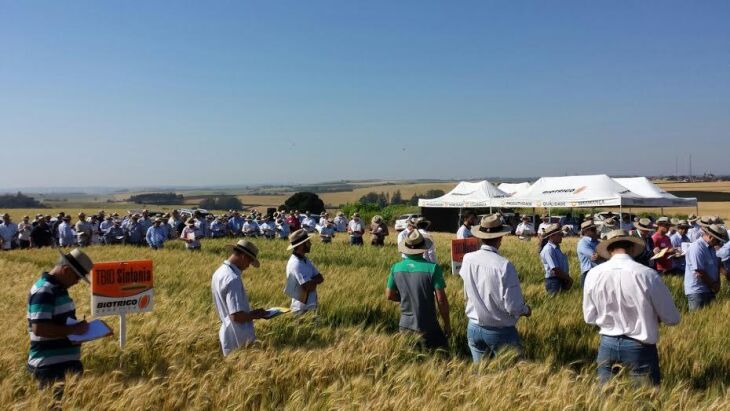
point(644, 224)
point(414, 243)
point(682, 224)
point(356, 215)
point(619, 235)
point(664, 221)
point(377, 219)
point(79, 262)
point(552, 230)
point(586, 225)
point(717, 231)
point(706, 220)
point(297, 238)
point(490, 227)
point(248, 248)
point(692, 218)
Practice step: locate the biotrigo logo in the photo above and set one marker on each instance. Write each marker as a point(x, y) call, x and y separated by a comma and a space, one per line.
point(120, 303)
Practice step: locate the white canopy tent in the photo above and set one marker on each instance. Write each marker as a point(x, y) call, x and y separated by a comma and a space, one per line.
point(576, 191)
point(659, 197)
point(481, 194)
point(513, 188)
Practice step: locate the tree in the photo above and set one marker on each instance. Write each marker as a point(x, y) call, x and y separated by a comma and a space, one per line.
point(221, 203)
point(414, 200)
point(396, 198)
point(304, 201)
point(433, 194)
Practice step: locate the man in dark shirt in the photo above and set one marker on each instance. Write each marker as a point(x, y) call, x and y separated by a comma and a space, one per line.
point(40, 235)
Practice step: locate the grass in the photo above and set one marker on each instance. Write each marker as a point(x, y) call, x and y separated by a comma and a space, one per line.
point(352, 356)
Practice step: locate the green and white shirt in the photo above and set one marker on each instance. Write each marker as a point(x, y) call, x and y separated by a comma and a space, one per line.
point(48, 301)
point(416, 280)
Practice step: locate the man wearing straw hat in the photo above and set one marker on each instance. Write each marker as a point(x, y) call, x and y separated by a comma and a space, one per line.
point(340, 222)
point(52, 354)
point(586, 249)
point(302, 269)
point(679, 238)
point(379, 230)
point(231, 299)
point(356, 229)
point(702, 268)
point(156, 235)
point(524, 229)
point(627, 301)
point(414, 283)
point(555, 263)
point(662, 243)
point(695, 231)
point(494, 300)
point(644, 229)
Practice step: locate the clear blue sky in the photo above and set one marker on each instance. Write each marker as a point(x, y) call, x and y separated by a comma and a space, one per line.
point(241, 92)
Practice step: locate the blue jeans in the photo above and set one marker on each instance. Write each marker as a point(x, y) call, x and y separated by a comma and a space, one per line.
point(489, 340)
point(355, 240)
point(641, 360)
point(697, 301)
point(554, 285)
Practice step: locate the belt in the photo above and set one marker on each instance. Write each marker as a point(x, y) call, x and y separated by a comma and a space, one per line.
point(624, 337)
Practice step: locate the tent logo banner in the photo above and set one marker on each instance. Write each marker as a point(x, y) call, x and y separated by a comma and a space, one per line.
point(579, 190)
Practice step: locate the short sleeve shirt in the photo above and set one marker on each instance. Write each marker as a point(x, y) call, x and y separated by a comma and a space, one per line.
point(49, 302)
point(416, 279)
point(700, 257)
point(552, 257)
point(230, 297)
point(662, 241)
point(304, 271)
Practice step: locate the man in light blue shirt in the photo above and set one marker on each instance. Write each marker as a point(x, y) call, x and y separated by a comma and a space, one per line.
point(156, 235)
point(554, 262)
point(587, 249)
point(235, 224)
point(702, 269)
point(66, 234)
point(695, 231)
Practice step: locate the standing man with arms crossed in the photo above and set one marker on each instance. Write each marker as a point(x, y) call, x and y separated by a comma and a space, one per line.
point(494, 299)
point(302, 269)
point(627, 301)
point(467, 221)
point(586, 248)
point(555, 263)
point(702, 268)
point(415, 283)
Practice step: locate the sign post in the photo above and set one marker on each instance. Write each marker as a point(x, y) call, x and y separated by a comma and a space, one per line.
point(121, 287)
point(459, 248)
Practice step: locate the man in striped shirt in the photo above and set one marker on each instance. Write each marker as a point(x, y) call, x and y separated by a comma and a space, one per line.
point(52, 355)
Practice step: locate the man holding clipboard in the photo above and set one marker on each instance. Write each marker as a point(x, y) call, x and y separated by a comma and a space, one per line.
point(52, 354)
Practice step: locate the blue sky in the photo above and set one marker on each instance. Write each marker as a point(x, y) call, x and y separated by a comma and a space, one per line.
point(122, 93)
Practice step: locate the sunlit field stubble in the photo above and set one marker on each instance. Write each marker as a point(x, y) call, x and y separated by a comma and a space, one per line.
point(352, 356)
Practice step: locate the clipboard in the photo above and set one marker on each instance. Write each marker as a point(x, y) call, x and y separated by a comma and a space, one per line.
point(97, 329)
point(661, 254)
point(275, 312)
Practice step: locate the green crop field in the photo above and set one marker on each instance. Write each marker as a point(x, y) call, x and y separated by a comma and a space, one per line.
point(351, 356)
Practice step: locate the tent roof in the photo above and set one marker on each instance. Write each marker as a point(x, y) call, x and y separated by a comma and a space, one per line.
point(513, 188)
point(576, 191)
point(466, 194)
point(645, 188)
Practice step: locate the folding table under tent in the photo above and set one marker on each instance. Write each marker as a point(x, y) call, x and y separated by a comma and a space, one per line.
point(445, 212)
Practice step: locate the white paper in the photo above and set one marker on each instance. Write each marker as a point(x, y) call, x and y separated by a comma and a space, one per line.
point(97, 329)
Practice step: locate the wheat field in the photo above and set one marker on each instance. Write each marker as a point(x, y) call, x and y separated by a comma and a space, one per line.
point(351, 356)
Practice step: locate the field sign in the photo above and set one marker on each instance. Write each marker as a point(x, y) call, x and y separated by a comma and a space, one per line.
point(121, 287)
point(459, 248)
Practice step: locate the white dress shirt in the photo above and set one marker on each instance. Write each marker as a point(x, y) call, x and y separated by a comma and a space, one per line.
point(623, 297)
point(463, 232)
point(303, 270)
point(492, 289)
point(230, 297)
point(525, 230)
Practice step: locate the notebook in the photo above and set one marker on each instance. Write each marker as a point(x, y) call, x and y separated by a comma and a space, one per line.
point(97, 329)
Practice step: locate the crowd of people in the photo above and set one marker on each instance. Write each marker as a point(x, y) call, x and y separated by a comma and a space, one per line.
point(145, 229)
point(623, 291)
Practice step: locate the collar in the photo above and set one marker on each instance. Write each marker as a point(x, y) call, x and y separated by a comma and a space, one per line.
point(417, 257)
point(232, 267)
point(553, 245)
point(51, 279)
point(621, 257)
point(489, 248)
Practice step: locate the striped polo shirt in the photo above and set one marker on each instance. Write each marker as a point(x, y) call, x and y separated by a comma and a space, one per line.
point(48, 301)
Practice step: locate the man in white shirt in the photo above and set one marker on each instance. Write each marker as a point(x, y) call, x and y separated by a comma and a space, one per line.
point(356, 229)
point(494, 300)
point(301, 268)
point(250, 227)
point(8, 232)
point(24, 229)
point(84, 230)
point(231, 300)
point(468, 220)
point(341, 222)
point(627, 301)
point(525, 229)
